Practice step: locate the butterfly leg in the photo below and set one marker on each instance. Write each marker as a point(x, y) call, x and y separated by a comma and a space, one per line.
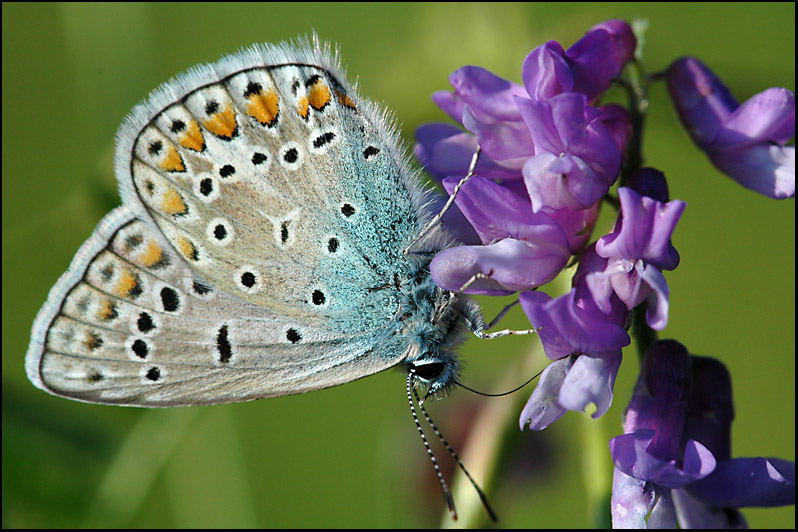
point(437, 218)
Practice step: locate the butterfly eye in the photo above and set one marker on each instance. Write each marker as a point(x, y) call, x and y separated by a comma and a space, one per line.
point(428, 372)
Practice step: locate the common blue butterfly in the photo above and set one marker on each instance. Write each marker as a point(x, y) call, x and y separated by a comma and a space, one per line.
point(262, 249)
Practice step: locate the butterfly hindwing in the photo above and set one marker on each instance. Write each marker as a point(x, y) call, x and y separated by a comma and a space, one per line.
point(130, 323)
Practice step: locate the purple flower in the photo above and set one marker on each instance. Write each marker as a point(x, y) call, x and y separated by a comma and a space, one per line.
point(577, 158)
point(484, 103)
point(522, 249)
point(670, 464)
point(746, 142)
point(589, 66)
point(638, 249)
point(572, 383)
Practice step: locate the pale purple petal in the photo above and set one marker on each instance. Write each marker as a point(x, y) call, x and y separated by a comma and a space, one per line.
point(639, 504)
point(767, 116)
point(765, 168)
point(543, 407)
point(499, 140)
point(658, 298)
point(591, 379)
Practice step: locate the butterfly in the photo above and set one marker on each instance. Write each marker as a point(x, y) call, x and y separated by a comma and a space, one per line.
point(258, 251)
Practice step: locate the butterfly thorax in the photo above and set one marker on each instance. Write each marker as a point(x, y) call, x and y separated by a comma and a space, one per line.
point(431, 324)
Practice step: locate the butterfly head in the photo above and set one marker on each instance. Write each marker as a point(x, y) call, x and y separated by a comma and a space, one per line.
point(436, 374)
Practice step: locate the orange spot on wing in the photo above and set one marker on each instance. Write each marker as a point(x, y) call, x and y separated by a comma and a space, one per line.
point(172, 203)
point(187, 248)
point(172, 162)
point(319, 95)
point(107, 310)
point(303, 107)
point(344, 100)
point(222, 124)
point(192, 138)
point(264, 107)
point(152, 255)
point(126, 283)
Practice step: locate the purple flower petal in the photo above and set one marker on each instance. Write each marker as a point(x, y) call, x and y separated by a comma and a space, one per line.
point(768, 116)
point(702, 101)
point(591, 379)
point(501, 141)
point(639, 504)
point(565, 328)
point(445, 150)
point(743, 482)
point(693, 513)
point(543, 407)
point(510, 265)
point(630, 454)
point(743, 141)
point(644, 230)
point(765, 168)
point(496, 212)
point(546, 72)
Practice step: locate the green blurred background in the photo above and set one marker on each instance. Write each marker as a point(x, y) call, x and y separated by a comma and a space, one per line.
point(350, 456)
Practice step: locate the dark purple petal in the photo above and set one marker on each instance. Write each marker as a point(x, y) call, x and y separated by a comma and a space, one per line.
point(546, 72)
point(618, 123)
point(743, 141)
point(710, 410)
point(644, 230)
point(650, 182)
point(595, 61)
point(590, 380)
point(639, 504)
point(565, 328)
point(622, 34)
point(631, 455)
point(511, 265)
point(577, 225)
point(702, 101)
point(743, 482)
point(543, 407)
point(659, 401)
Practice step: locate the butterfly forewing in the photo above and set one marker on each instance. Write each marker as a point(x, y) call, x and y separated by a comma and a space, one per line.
point(265, 211)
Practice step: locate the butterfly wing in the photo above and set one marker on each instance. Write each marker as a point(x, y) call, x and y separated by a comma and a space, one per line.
point(271, 182)
point(129, 323)
point(264, 214)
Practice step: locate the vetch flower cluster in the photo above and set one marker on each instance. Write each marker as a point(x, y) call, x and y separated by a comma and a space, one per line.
point(673, 463)
point(549, 154)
